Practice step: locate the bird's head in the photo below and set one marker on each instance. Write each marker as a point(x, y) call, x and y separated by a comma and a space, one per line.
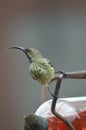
point(31, 53)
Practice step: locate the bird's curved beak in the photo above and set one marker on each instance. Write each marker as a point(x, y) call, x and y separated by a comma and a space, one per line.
point(22, 49)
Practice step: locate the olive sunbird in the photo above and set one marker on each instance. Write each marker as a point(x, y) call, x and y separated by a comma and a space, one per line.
point(40, 68)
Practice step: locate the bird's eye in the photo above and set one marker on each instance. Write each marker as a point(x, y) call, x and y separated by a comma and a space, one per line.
point(28, 50)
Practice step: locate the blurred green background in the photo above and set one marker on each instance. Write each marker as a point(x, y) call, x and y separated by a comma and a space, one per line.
point(57, 29)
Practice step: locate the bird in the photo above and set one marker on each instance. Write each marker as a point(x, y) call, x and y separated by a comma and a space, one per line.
point(40, 68)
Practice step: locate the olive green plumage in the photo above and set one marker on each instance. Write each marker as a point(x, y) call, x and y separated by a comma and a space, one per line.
point(41, 70)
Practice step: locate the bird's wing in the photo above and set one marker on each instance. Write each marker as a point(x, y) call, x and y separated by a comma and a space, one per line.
point(48, 61)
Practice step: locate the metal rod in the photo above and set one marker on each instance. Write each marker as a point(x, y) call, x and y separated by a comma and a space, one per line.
point(70, 75)
point(55, 98)
point(76, 74)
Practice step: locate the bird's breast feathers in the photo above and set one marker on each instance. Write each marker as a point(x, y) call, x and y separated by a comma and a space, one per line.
point(42, 71)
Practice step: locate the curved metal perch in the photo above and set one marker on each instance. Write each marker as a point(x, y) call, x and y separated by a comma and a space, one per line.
point(55, 98)
point(61, 75)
